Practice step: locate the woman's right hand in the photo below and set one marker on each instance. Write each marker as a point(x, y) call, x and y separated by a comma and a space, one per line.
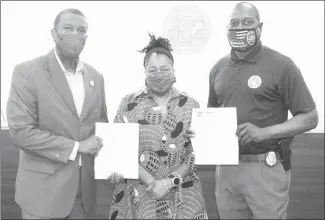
point(159, 188)
point(115, 178)
point(189, 133)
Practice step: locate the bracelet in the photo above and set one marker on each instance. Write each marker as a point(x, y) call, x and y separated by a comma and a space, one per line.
point(166, 185)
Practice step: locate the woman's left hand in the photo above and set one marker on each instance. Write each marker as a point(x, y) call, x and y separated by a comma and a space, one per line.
point(159, 189)
point(115, 178)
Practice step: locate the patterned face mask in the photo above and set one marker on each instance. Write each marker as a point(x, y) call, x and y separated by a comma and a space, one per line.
point(242, 40)
point(160, 82)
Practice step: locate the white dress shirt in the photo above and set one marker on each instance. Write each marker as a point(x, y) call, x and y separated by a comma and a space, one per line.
point(77, 88)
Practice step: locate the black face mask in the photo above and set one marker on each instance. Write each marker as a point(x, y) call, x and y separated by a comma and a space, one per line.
point(242, 40)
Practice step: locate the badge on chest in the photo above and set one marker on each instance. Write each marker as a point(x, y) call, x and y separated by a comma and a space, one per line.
point(254, 82)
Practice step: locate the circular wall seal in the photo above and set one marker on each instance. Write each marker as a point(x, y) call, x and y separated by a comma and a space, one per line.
point(187, 27)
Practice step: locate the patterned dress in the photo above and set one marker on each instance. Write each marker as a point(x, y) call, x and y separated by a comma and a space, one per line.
point(165, 148)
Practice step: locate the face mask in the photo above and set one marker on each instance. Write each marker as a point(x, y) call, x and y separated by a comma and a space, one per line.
point(160, 83)
point(242, 40)
point(70, 45)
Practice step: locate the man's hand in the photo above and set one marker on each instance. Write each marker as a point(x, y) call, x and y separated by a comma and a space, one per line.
point(115, 178)
point(158, 188)
point(189, 133)
point(92, 145)
point(248, 133)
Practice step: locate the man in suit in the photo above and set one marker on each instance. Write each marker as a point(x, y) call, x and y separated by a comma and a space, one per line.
point(54, 102)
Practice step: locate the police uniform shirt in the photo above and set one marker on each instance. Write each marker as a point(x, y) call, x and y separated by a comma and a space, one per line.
point(263, 87)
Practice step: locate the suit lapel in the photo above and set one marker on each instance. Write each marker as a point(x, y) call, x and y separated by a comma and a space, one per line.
point(58, 80)
point(90, 83)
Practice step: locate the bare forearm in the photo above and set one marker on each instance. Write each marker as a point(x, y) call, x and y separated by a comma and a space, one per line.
point(183, 170)
point(212, 100)
point(296, 125)
point(144, 176)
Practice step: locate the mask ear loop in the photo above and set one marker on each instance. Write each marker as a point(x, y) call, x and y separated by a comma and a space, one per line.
point(56, 32)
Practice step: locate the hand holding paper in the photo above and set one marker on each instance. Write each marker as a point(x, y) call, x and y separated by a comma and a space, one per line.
point(91, 145)
point(115, 178)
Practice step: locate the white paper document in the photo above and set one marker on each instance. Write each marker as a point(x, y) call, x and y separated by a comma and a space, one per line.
point(215, 141)
point(120, 150)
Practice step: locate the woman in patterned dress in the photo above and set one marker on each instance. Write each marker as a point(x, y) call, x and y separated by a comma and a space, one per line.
point(169, 186)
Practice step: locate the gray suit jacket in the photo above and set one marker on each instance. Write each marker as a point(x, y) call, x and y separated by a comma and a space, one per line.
point(44, 125)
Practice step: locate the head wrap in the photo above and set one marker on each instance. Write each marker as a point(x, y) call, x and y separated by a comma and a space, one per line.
point(158, 50)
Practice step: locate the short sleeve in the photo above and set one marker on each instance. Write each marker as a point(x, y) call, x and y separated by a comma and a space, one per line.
point(294, 91)
point(213, 99)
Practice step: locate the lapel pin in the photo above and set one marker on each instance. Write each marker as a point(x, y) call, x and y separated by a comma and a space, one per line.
point(91, 82)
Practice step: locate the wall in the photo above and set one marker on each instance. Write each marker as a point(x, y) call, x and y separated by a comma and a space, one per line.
point(118, 29)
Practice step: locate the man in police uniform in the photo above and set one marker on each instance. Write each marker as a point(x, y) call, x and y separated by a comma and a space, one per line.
point(263, 85)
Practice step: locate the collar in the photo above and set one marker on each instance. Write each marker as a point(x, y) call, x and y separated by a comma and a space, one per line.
point(174, 92)
point(252, 57)
point(79, 67)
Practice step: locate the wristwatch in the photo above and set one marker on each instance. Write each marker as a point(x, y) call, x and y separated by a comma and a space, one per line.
point(175, 180)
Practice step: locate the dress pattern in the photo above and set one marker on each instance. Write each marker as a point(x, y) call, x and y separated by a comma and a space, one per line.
point(164, 148)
